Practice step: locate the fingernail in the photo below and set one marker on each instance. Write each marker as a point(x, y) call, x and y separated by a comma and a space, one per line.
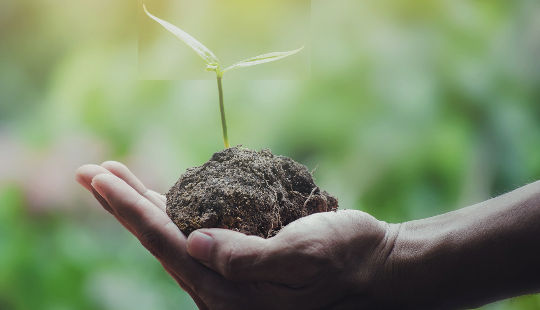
point(200, 245)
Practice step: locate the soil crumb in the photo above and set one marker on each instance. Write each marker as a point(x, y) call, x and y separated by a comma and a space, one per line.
point(256, 193)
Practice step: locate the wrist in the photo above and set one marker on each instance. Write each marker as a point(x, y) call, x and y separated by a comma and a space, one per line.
point(416, 263)
point(470, 256)
point(368, 249)
point(384, 284)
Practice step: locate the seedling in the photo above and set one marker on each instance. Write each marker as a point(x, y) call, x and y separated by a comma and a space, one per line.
point(213, 63)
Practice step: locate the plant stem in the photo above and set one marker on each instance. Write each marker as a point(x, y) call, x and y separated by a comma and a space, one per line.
point(222, 110)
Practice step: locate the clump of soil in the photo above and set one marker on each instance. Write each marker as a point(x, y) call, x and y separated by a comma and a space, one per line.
point(252, 192)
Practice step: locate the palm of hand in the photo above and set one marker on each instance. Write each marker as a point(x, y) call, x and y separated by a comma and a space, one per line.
point(325, 260)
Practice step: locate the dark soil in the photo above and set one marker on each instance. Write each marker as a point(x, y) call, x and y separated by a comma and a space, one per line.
point(252, 192)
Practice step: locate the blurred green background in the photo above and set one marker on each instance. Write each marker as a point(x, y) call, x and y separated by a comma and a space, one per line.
point(406, 108)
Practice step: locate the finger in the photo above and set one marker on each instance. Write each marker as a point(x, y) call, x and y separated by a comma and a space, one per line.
point(84, 174)
point(102, 201)
point(147, 221)
point(158, 195)
point(123, 172)
point(158, 199)
point(159, 235)
point(239, 257)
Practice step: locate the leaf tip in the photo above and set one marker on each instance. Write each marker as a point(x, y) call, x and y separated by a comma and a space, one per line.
point(146, 10)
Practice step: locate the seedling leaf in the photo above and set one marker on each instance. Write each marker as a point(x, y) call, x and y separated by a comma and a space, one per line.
point(197, 46)
point(213, 64)
point(264, 58)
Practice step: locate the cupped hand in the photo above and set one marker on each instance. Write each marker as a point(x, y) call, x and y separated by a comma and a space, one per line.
point(142, 212)
point(331, 260)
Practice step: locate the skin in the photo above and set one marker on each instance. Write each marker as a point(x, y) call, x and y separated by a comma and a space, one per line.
point(338, 260)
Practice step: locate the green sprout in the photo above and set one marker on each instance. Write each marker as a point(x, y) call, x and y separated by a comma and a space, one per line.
point(213, 63)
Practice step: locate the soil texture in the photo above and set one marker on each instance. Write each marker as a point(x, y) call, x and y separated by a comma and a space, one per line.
point(256, 193)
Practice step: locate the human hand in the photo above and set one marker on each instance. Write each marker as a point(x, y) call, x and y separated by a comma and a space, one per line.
point(142, 212)
point(335, 260)
point(332, 260)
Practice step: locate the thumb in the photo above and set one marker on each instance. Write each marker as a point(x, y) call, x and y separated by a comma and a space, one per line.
point(234, 255)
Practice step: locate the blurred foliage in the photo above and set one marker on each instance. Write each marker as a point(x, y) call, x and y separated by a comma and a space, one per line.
point(404, 108)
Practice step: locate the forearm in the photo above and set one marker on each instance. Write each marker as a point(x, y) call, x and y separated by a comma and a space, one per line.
point(470, 256)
